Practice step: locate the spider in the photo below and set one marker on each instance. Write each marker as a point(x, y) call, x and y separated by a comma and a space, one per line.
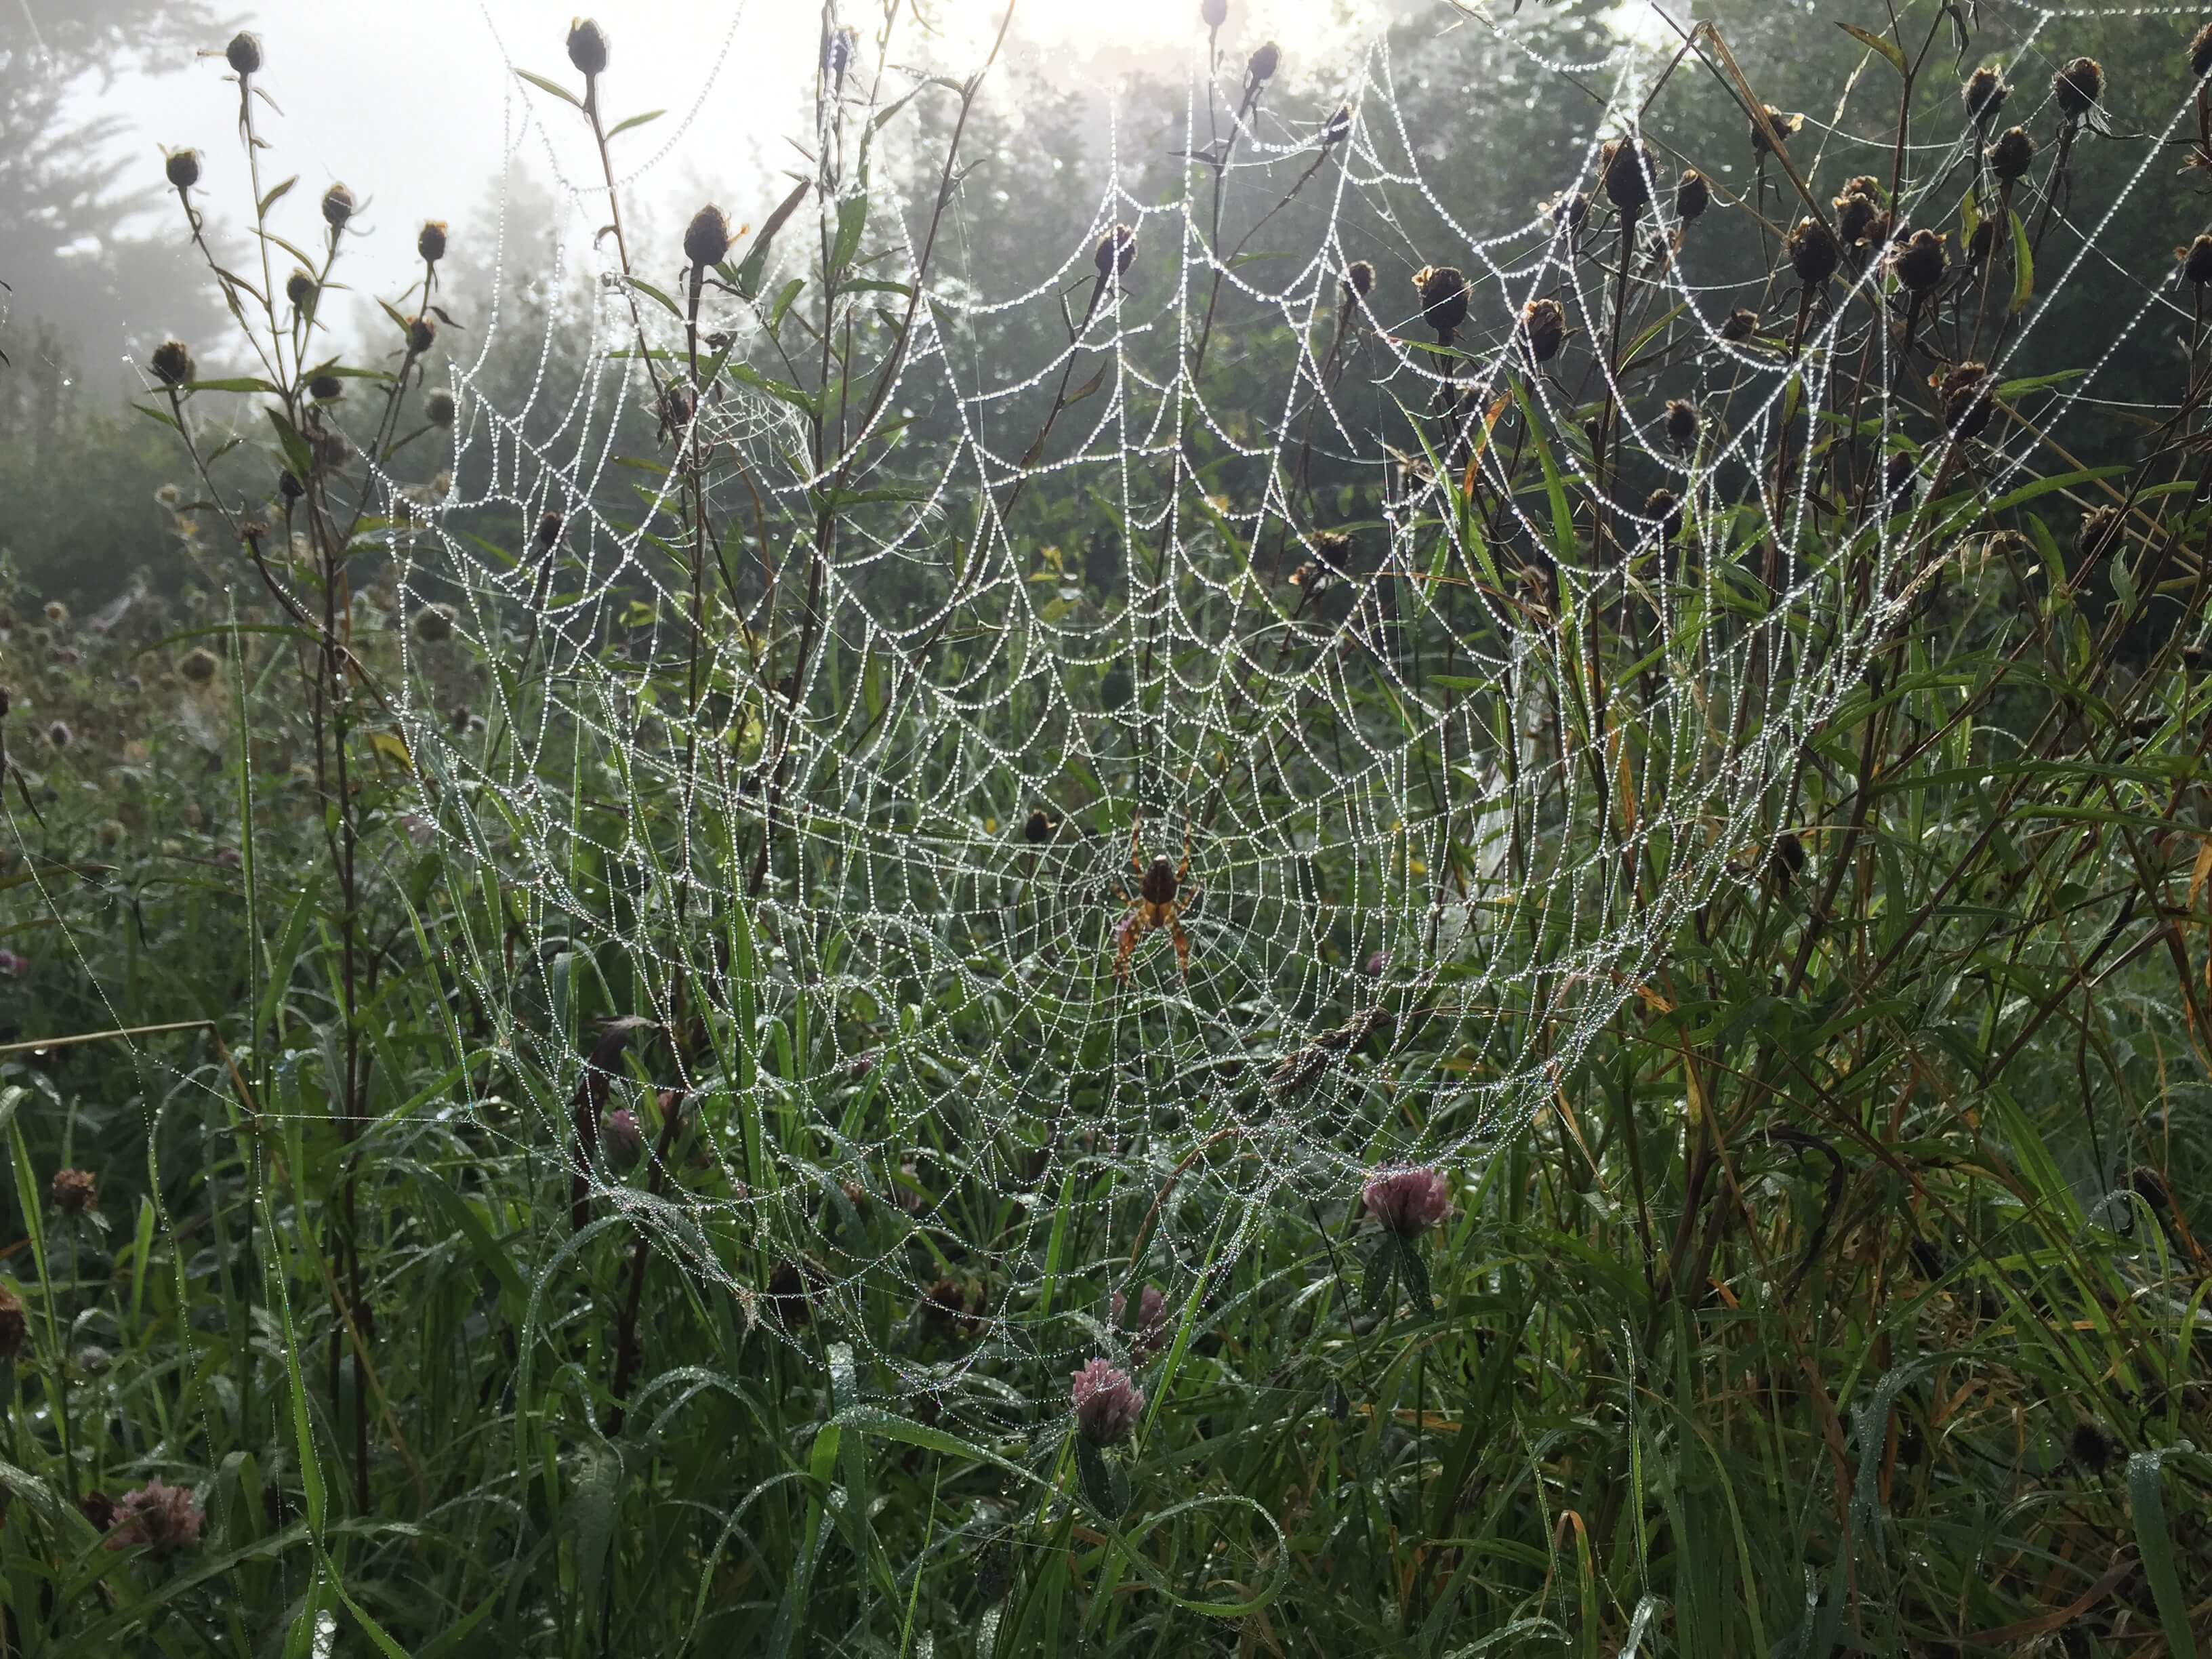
point(1158, 902)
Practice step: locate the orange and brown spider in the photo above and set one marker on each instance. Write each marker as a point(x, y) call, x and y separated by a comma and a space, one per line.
point(1159, 902)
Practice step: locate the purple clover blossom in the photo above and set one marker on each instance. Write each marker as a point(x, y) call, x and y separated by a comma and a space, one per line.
point(156, 1516)
point(1376, 964)
point(1106, 1403)
point(1408, 1202)
point(1149, 1330)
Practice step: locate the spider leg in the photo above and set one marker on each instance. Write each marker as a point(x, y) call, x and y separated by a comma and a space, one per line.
point(1136, 832)
point(1131, 929)
point(1181, 945)
point(1184, 869)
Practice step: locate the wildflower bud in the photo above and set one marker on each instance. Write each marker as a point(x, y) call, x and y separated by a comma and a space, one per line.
point(1359, 280)
point(548, 530)
point(1966, 399)
point(337, 206)
point(430, 240)
point(1692, 195)
point(13, 1325)
point(433, 623)
point(1408, 1202)
point(172, 363)
point(75, 1191)
point(182, 168)
point(621, 1139)
point(2099, 529)
point(2200, 53)
point(1626, 171)
point(438, 408)
point(1038, 829)
point(1115, 253)
point(1813, 252)
point(2012, 154)
point(1544, 327)
point(2197, 261)
point(326, 387)
point(1984, 92)
point(1682, 422)
point(1107, 1403)
point(299, 290)
point(421, 335)
point(59, 735)
point(1263, 64)
point(587, 46)
point(1664, 509)
point(1921, 264)
point(243, 54)
point(1443, 299)
point(2077, 88)
point(1214, 13)
point(198, 664)
point(1739, 325)
point(288, 486)
point(1786, 127)
point(707, 238)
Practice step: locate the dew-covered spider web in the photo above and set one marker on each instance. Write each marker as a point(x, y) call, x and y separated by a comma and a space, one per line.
point(1445, 721)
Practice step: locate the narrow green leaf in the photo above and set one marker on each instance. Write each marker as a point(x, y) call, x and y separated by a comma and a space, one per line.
point(553, 86)
point(1887, 48)
point(2147, 1506)
point(2023, 268)
point(636, 121)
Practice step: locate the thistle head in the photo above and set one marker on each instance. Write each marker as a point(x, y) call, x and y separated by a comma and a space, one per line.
point(172, 363)
point(2012, 154)
point(433, 623)
point(300, 288)
point(243, 54)
point(2077, 87)
point(1544, 328)
point(1921, 264)
point(1358, 280)
point(1408, 1202)
point(1739, 325)
point(438, 409)
point(1682, 422)
point(1443, 299)
point(421, 335)
point(1786, 127)
point(326, 387)
point(1814, 251)
point(1984, 92)
point(1627, 171)
point(1260, 68)
point(2197, 261)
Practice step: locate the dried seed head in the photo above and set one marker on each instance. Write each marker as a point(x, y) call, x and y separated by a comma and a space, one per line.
point(1979, 244)
point(1262, 68)
point(1038, 829)
point(299, 290)
point(2012, 154)
point(1692, 195)
point(2091, 1447)
point(172, 363)
point(1214, 13)
point(1338, 127)
point(75, 1191)
point(1682, 422)
point(421, 335)
point(438, 409)
point(2196, 260)
point(1570, 209)
point(2200, 53)
point(1786, 127)
point(57, 614)
point(1544, 328)
point(2146, 1182)
point(326, 387)
point(337, 206)
point(182, 168)
point(548, 530)
point(433, 623)
point(1858, 210)
point(1787, 858)
point(59, 735)
point(587, 46)
point(288, 486)
point(1626, 171)
point(1739, 324)
point(1359, 280)
point(198, 664)
point(1984, 92)
point(2099, 529)
point(243, 54)
point(1664, 509)
point(790, 1296)
point(1921, 264)
point(2077, 88)
point(1813, 252)
point(430, 240)
point(1965, 398)
point(1443, 299)
point(707, 238)
point(332, 450)
point(1115, 253)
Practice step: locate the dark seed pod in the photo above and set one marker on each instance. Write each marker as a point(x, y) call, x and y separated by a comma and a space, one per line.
point(1359, 280)
point(2200, 53)
point(430, 242)
point(299, 290)
point(1443, 299)
point(1857, 209)
point(1544, 329)
point(243, 54)
point(439, 408)
point(1979, 244)
point(337, 206)
point(1692, 195)
point(172, 363)
point(1569, 210)
point(1785, 126)
point(707, 238)
point(75, 1191)
point(2099, 529)
point(2091, 1448)
point(288, 486)
point(2077, 88)
point(332, 450)
point(1627, 171)
point(1921, 264)
point(548, 530)
point(1682, 422)
point(1739, 325)
point(1338, 127)
point(2012, 154)
point(1115, 253)
point(2197, 261)
point(182, 168)
point(1038, 829)
point(421, 335)
point(433, 623)
point(1262, 68)
point(1664, 508)
point(1787, 861)
point(1897, 476)
point(587, 46)
point(1214, 13)
point(1965, 398)
point(1984, 92)
point(1813, 252)
point(2143, 1181)
point(326, 387)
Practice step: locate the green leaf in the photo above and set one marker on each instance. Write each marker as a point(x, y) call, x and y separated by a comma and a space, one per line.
point(852, 221)
point(1416, 1272)
point(1382, 1274)
point(241, 383)
point(1888, 49)
point(636, 121)
point(746, 278)
point(275, 194)
point(2147, 1507)
point(789, 292)
point(553, 86)
point(2023, 268)
point(1105, 1483)
point(653, 293)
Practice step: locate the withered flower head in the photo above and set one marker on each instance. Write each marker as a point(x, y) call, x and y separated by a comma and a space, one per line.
point(172, 363)
point(289, 486)
point(182, 168)
point(2012, 154)
point(707, 238)
point(1897, 475)
point(1115, 253)
point(2091, 1448)
point(438, 408)
point(1966, 399)
point(75, 1191)
point(587, 46)
point(1739, 324)
point(1359, 280)
point(1682, 422)
point(243, 54)
point(1985, 91)
point(1544, 327)
point(337, 206)
point(1921, 264)
point(1813, 252)
point(2196, 260)
point(326, 387)
point(1443, 299)
point(299, 290)
point(1038, 829)
point(549, 529)
point(333, 449)
point(1785, 126)
point(1858, 210)
point(1626, 170)
point(1264, 63)
point(433, 623)
point(2200, 53)
point(1214, 13)
point(1338, 127)
point(2077, 88)
point(59, 735)
point(1569, 209)
point(430, 241)
point(421, 335)
point(198, 664)
point(1979, 244)
point(2100, 526)
point(1692, 195)
point(1664, 509)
